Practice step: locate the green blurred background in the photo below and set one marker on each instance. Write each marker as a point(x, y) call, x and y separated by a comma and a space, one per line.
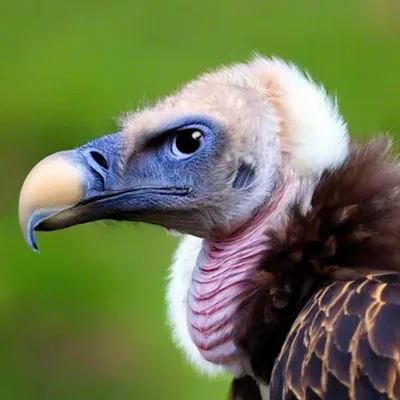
point(85, 319)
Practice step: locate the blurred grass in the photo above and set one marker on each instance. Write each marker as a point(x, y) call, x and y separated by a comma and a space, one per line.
point(85, 318)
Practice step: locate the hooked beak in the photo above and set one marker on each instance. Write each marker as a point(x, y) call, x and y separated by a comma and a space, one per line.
point(50, 195)
point(70, 188)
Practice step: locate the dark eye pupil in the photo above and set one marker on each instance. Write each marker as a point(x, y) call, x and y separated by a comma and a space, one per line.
point(188, 142)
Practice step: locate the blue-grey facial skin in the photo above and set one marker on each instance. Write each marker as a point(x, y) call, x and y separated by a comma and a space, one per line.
point(152, 184)
point(110, 148)
point(155, 165)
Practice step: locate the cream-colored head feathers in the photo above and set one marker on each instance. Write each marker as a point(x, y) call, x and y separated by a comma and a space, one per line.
point(312, 133)
point(312, 127)
point(252, 99)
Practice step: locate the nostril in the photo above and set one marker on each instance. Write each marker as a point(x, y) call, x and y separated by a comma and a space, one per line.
point(99, 159)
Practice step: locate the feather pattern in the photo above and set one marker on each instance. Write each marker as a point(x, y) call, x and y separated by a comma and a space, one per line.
point(345, 343)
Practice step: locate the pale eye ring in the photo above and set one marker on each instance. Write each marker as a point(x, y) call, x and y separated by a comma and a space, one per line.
point(186, 142)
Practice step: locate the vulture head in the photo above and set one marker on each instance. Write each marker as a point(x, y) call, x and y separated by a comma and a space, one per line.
point(203, 161)
point(221, 161)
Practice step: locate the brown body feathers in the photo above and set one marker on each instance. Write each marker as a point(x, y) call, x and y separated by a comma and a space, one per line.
point(321, 316)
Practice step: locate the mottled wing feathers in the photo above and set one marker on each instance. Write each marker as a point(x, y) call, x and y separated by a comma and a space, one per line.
point(344, 344)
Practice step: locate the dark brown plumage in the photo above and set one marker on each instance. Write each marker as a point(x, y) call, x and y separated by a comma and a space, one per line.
point(245, 388)
point(315, 321)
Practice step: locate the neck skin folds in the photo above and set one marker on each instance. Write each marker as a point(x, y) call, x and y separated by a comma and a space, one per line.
point(206, 281)
point(221, 271)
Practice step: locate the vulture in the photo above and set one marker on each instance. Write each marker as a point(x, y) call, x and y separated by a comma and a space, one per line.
point(287, 273)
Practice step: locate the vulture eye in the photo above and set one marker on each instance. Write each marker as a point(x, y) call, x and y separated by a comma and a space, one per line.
point(186, 142)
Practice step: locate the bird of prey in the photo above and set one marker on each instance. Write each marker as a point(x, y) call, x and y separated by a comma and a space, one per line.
point(287, 272)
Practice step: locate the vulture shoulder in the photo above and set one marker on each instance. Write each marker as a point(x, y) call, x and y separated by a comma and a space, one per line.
point(320, 319)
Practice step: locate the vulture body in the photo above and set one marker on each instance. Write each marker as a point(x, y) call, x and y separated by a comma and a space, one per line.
point(287, 274)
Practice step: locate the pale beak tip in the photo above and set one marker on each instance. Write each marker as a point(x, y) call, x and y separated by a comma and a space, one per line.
point(53, 184)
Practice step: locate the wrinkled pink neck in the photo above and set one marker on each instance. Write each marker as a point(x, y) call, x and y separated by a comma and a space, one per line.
point(221, 270)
